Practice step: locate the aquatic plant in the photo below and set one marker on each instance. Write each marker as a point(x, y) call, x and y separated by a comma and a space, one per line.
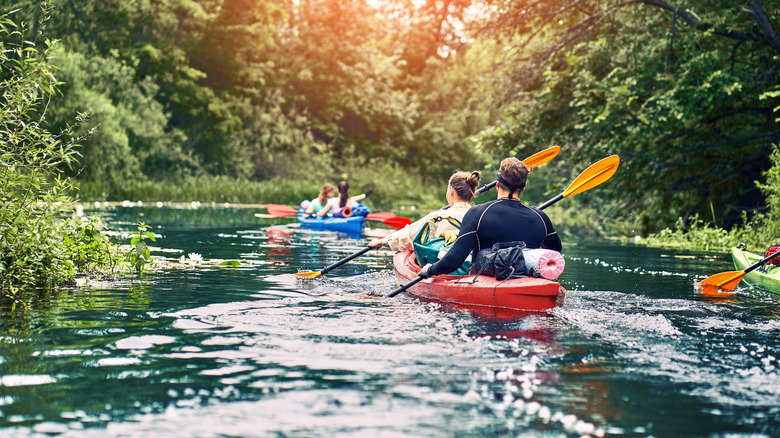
point(139, 255)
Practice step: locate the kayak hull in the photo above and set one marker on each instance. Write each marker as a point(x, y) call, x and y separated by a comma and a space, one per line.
point(525, 294)
point(350, 225)
point(769, 280)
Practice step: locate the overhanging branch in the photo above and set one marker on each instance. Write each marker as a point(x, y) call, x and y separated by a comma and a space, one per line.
point(768, 35)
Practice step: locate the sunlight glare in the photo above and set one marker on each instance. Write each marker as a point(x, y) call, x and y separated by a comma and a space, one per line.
point(377, 4)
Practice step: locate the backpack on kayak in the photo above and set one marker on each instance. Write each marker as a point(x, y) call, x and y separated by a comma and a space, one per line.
point(503, 260)
point(772, 249)
point(429, 248)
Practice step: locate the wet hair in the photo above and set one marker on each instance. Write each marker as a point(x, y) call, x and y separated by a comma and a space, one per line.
point(465, 184)
point(325, 192)
point(343, 193)
point(513, 174)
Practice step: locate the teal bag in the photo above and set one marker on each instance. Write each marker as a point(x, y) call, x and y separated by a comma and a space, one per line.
point(427, 246)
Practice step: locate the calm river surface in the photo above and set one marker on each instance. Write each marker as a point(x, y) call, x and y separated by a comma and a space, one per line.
point(210, 351)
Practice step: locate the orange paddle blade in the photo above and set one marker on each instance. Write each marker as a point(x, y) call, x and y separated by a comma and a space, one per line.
point(542, 157)
point(310, 274)
point(594, 175)
point(277, 210)
point(725, 280)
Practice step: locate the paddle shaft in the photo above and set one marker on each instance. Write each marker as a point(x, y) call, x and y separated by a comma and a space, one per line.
point(762, 262)
point(550, 202)
point(485, 188)
point(345, 260)
point(406, 286)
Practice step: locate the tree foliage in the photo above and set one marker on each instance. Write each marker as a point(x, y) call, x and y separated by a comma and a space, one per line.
point(681, 97)
point(311, 90)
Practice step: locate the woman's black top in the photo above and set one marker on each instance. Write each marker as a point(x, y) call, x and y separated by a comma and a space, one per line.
point(502, 220)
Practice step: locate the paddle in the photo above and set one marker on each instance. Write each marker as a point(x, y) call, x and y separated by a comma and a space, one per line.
point(395, 222)
point(594, 175)
point(312, 274)
point(729, 280)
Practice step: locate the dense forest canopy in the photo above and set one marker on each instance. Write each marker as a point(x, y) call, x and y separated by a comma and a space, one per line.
point(686, 93)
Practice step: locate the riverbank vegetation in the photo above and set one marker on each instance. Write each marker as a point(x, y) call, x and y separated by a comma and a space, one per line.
point(265, 100)
point(40, 246)
point(757, 232)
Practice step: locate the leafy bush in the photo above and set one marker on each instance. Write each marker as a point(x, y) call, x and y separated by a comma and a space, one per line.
point(87, 247)
point(38, 248)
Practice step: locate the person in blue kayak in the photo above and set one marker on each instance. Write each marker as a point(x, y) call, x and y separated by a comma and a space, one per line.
point(506, 219)
point(461, 189)
point(318, 205)
point(343, 204)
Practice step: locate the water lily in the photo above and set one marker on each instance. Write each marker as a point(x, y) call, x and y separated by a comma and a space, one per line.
point(195, 257)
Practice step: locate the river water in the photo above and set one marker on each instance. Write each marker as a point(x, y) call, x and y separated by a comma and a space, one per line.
point(211, 351)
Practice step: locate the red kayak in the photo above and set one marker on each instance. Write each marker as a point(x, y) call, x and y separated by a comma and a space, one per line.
point(527, 293)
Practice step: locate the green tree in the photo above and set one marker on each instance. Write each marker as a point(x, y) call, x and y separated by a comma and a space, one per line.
point(133, 141)
point(682, 107)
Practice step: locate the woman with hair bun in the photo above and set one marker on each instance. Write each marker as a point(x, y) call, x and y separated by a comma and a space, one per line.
point(461, 189)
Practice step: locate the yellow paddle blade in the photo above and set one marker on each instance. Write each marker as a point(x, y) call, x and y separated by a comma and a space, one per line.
point(542, 157)
point(309, 274)
point(594, 175)
point(725, 280)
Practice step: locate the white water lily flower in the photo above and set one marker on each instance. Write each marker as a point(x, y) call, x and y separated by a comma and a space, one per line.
point(195, 257)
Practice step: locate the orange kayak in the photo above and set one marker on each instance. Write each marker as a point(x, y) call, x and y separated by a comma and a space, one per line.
point(526, 293)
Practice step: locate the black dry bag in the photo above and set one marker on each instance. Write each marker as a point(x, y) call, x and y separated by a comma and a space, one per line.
point(504, 260)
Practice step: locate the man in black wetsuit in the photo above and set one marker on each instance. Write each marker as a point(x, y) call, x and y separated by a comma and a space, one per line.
point(504, 220)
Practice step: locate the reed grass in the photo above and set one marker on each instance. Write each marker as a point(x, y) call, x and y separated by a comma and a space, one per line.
point(392, 188)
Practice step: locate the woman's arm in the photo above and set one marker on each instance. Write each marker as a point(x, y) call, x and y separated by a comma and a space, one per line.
point(324, 210)
point(357, 198)
point(402, 239)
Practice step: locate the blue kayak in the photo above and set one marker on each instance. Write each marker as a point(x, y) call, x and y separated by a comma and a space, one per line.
point(351, 225)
